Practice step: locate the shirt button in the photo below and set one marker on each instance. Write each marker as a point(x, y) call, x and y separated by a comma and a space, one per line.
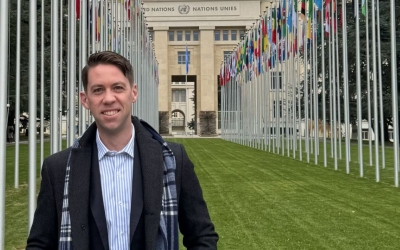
point(120, 203)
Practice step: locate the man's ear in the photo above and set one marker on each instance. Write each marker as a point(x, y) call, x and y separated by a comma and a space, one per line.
point(134, 93)
point(84, 100)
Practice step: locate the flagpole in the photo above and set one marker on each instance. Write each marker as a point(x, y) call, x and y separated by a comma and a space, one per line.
point(306, 115)
point(72, 73)
point(32, 107)
point(84, 36)
point(58, 97)
point(287, 116)
point(54, 125)
point(315, 88)
point(330, 79)
point(368, 89)
point(339, 125)
point(380, 81)
point(41, 83)
point(334, 116)
point(358, 69)
point(4, 12)
point(298, 91)
point(17, 95)
point(375, 90)
point(394, 92)
point(323, 82)
point(346, 86)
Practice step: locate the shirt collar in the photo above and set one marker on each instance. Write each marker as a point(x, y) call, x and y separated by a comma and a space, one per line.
point(103, 150)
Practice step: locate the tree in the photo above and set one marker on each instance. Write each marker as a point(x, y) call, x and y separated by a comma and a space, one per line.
point(24, 66)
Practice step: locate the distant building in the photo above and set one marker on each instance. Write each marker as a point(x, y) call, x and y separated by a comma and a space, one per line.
point(211, 30)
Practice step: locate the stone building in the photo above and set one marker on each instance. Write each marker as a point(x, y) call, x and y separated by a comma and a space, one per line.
point(210, 29)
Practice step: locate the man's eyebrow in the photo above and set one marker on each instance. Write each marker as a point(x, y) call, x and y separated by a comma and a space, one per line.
point(96, 86)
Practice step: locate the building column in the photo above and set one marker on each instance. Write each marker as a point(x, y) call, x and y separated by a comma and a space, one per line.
point(206, 90)
point(164, 86)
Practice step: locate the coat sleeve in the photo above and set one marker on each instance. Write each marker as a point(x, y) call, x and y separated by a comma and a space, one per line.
point(44, 230)
point(194, 220)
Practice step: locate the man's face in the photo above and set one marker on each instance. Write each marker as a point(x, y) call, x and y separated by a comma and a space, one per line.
point(109, 97)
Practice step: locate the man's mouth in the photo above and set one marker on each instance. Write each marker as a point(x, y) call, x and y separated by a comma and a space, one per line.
point(110, 113)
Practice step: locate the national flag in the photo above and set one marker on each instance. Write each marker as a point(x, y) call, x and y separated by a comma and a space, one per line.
point(294, 14)
point(269, 31)
point(265, 35)
point(128, 8)
point(318, 3)
point(78, 9)
point(187, 60)
point(260, 37)
point(279, 20)
point(274, 31)
point(364, 7)
point(98, 24)
point(327, 17)
point(289, 17)
point(303, 9)
point(221, 75)
point(255, 42)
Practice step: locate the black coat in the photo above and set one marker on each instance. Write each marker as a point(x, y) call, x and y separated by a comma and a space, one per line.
point(194, 220)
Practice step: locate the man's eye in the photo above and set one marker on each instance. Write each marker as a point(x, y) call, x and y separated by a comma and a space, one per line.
point(119, 88)
point(97, 90)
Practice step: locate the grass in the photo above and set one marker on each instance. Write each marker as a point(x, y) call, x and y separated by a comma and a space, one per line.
point(261, 200)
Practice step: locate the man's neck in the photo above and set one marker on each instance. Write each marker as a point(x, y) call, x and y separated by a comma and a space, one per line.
point(116, 142)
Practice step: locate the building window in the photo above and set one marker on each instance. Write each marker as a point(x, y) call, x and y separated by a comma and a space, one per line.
point(195, 35)
point(217, 35)
point(179, 35)
point(171, 35)
point(241, 34)
point(225, 35)
point(179, 95)
point(151, 35)
point(187, 35)
point(233, 35)
point(182, 57)
point(227, 54)
point(279, 109)
point(276, 80)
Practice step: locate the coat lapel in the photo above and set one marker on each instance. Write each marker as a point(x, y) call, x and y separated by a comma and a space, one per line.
point(151, 158)
point(79, 196)
point(96, 199)
point(137, 193)
point(79, 181)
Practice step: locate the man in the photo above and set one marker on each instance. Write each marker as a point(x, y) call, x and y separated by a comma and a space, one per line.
point(120, 186)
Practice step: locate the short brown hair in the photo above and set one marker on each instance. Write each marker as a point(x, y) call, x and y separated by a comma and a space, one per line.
point(111, 58)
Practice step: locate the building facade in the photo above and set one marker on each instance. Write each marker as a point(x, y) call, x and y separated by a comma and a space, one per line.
point(203, 32)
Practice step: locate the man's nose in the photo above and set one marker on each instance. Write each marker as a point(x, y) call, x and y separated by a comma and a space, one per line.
point(109, 97)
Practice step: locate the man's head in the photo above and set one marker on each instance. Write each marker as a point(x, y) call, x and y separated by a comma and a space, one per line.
point(109, 92)
point(111, 58)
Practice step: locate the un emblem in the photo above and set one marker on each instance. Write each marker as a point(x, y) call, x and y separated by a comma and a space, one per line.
point(183, 9)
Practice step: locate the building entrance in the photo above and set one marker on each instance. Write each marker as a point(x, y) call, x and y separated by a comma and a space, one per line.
point(183, 104)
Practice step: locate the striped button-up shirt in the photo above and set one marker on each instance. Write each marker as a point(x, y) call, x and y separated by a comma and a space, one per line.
point(116, 171)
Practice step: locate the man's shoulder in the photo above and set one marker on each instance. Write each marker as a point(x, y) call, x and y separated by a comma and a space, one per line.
point(58, 159)
point(175, 147)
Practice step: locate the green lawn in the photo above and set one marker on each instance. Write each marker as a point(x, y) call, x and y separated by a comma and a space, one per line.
point(261, 200)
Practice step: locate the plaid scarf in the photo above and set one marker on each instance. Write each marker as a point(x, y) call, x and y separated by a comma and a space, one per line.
point(167, 238)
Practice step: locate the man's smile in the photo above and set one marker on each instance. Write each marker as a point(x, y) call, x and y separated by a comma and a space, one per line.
point(110, 112)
